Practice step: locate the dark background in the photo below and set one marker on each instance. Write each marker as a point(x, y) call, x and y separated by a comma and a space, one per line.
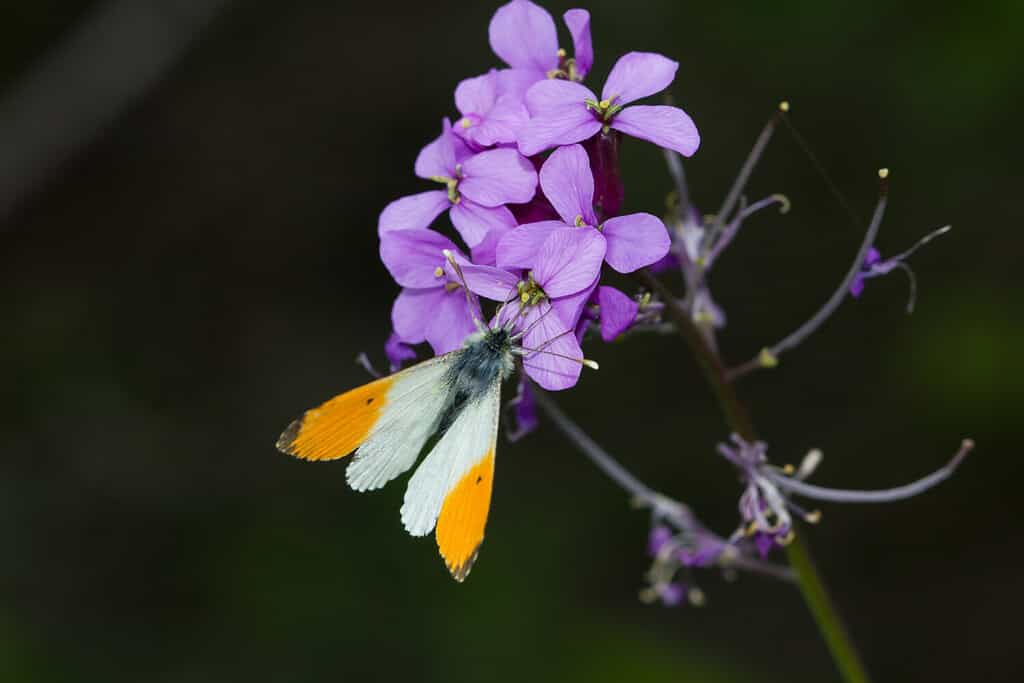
point(202, 266)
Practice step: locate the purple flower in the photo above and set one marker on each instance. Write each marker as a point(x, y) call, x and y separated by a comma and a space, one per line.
point(659, 536)
point(490, 116)
point(550, 300)
point(766, 507)
point(628, 242)
point(525, 37)
point(564, 112)
point(524, 410)
point(857, 286)
point(432, 305)
point(397, 352)
point(477, 187)
point(875, 266)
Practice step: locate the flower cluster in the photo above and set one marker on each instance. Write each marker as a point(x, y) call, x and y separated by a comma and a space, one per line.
point(528, 176)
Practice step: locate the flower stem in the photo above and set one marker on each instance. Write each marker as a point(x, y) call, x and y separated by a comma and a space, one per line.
point(811, 585)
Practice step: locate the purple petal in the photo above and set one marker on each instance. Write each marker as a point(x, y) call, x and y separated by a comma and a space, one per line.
point(548, 334)
point(635, 241)
point(397, 351)
point(570, 308)
point(451, 322)
point(857, 286)
point(518, 247)
point(569, 185)
point(500, 126)
point(569, 260)
point(637, 75)
point(477, 95)
point(524, 410)
point(668, 127)
point(485, 252)
point(415, 212)
point(555, 94)
point(524, 36)
point(413, 257)
point(515, 82)
point(659, 536)
point(561, 126)
point(490, 282)
point(618, 312)
point(498, 176)
point(474, 221)
point(437, 159)
point(578, 21)
point(413, 312)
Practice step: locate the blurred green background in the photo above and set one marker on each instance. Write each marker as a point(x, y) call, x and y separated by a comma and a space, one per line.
point(201, 267)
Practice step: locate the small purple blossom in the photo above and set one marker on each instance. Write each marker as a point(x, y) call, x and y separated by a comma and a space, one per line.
point(477, 188)
point(524, 411)
point(432, 304)
point(397, 352)
point(564, 112)
point(875, 266)
point(491, 115)
point(628, 243)
point(766, 508)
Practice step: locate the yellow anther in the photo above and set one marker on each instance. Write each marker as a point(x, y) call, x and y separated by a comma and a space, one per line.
point(524, 296)
point(465, 122)
point(561, 53)
point(788, 469)
point(784, 106)
point(813, 517)
point(579, 222)
point(439, 271)
point(604, 104)
point(767, 359)
point(883, 173)
point(696, 597)
point(788, 538)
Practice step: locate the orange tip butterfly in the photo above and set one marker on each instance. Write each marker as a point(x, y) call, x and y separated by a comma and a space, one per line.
point(388, 422)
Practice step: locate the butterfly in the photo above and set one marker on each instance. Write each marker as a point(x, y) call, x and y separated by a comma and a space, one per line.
point(454, 398)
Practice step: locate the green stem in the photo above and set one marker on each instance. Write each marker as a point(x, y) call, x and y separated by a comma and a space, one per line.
point(811, 585)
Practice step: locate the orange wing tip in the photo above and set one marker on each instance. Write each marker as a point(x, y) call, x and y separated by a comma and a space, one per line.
point(286, 442)
point(337, 427)
point(460, 526)
point(460, 571)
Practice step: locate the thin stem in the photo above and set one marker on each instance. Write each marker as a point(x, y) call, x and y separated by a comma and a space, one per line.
point(844, 654)
point(741, 180)
point(882, 496)
point(769, 355)
point(811, 585)
point(605, 462)
point(662, 505)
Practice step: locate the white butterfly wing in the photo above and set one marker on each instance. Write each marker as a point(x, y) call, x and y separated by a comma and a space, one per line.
point(452, 487)
point(414, 404)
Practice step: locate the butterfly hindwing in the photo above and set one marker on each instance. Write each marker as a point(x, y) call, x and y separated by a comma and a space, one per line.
point(452, 487)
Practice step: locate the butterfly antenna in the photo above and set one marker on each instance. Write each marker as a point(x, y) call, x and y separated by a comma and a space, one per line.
point(505, 302)
point(522, 333)
point(586, 362)
point(471, 300)
point(523, 350)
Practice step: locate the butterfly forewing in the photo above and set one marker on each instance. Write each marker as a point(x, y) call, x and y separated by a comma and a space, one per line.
point(365, 416)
